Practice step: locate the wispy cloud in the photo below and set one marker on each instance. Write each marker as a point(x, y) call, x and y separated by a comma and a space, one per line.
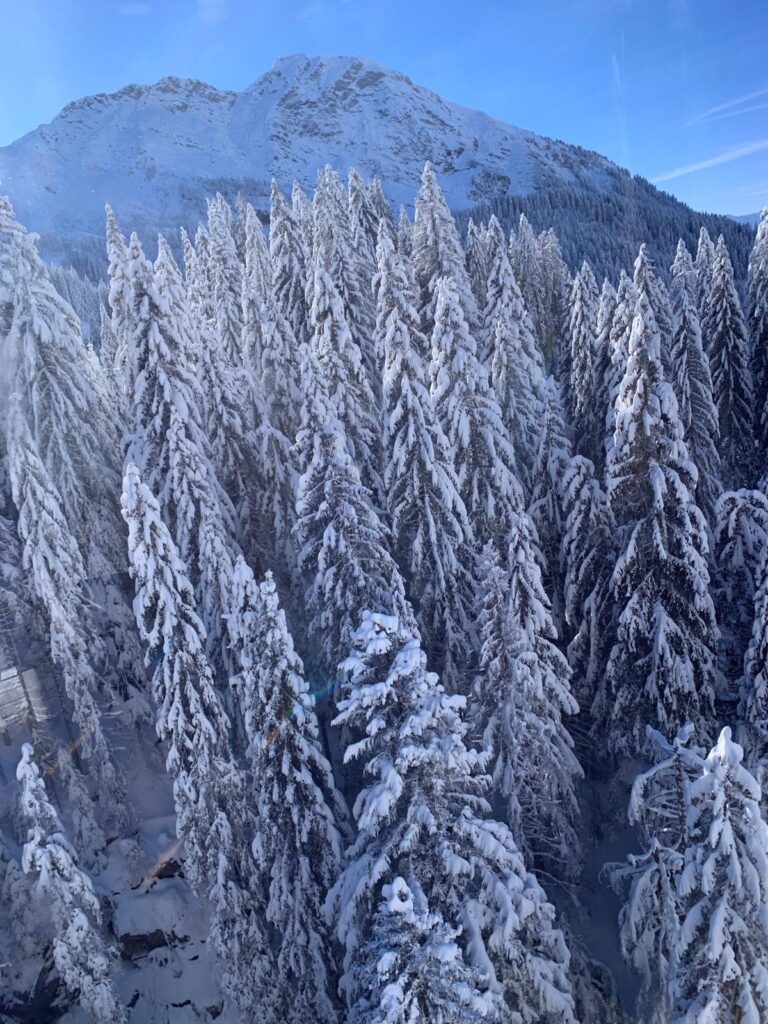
point(732, 108)
point(311, 12)
point(211, 11)
point(130, 10)
point(727, 157)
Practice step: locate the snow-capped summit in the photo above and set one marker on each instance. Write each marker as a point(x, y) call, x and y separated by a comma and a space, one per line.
point(156, 151)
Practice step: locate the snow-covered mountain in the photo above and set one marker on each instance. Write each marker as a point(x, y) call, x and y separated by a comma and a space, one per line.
point(154, 152)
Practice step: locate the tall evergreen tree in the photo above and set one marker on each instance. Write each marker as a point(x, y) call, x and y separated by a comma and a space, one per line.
point(520, 699)
point(289, 264)
point(437, 253)
point(692, 382)
point(471, 420)
point(343, 545)
point(602, 362)
point(726, 341)
point(741, 543)
point(580, 385)
point(721, 954)
point(423, 817)
point(587, 553)
point(618, 343)
point(662, 669)
point(429, 521)
point(80, 954)
point(296, 844)
point(226, 274)
point(512, 352)
point(476, 248)
point(757, 320)
point(704, 266)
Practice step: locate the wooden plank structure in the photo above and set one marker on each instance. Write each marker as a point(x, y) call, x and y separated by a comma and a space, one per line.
point(22, 699)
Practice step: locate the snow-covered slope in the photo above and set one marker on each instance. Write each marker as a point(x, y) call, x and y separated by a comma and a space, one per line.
point(154, 152)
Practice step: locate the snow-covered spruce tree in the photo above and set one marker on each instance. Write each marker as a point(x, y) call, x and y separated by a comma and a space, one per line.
point(556, 283)
point(662, 670)
point(303, 215)
point(297, 846)
point(404, 234)
point(741, 544)
point(64, 397)
point(525, 258)
point(54, 565)
point(348, 270)
point(753, 706)
point(580, 386)
point(727, 343)
point(363, 222)
point(588, 557)
point(692, 382)
point(467, 410)
point(346, 381)
point(289, 264)
point(437, 253)
point(650, 919)
point(423, 817)
point(114, 355)
point(428, 518)
point(646, 279)
point(256, 257)
point(411, 970)
point(226, 274)
point(213, 815)
point(704, 266)
point(343, 545)
point(476, 258)
point(618, 343)
point(757, 321)
point(602, 365)
point(518, 702)
point(546, 508)
point(511, 352)
point(721, 955)
point(80, 954)
point(380, 205)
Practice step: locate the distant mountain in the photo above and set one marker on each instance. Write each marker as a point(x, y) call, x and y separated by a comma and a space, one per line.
point(156, 152)
point(748, 218)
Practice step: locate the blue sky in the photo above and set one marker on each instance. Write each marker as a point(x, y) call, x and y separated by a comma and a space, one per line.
point(676, 91)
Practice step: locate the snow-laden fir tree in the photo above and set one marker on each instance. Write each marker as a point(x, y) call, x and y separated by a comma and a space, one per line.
point(54, 566)
point(649, 922)
point(363, 222)
point(704, 267)
point(662, 670)
point(468, 412)
point(581, 384)
point(692, 382)
point(588, 558)
point(80, 954)
point(430, 527)
point(753, 706)
point(422, 815)
point(741, 544)
point(380, 206)
point(297, 846)
point(303, 215)
point(343, 546)
point(404, 234)
point(346, 381)
point(213, 816)
point(511, 352)
point(602, 363)
point(545, 507)
point(289, 264)
point(437, 253)
point(256, 257)
point(757, 321)
point(114, 355)
point(618, 343)
point(720, 959)
point(411, 970)
point(727, 344)
point(520, 697)
point(226, 274)
point(555, 283)
point(646, 279)
point(348, 269)
point(476, 258)
point(525, 256)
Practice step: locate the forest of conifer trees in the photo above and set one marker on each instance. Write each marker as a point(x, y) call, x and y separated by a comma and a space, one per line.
point(381, 582)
